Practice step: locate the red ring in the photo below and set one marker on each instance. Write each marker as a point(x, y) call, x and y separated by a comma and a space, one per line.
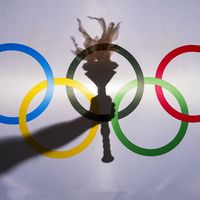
point(159, 73)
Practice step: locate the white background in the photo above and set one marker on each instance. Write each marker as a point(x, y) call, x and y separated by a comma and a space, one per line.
point(149, 30)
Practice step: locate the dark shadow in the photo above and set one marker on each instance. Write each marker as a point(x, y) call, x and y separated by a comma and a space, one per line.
point(15, 150)
point(100, 69)
point(101, 73)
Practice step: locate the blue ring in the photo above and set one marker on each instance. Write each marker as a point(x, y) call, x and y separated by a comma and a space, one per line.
point(49, 75)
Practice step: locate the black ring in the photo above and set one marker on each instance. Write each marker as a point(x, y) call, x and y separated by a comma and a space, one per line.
point(109, 47)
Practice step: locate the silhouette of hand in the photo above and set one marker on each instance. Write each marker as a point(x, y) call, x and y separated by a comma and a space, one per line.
point(103, 106)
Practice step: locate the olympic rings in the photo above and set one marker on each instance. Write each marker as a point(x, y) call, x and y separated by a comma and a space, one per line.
point(144, 151)
point(49, 75)
point(109, 47)
point(26, 134)
point(159, 73)
point(139, 82)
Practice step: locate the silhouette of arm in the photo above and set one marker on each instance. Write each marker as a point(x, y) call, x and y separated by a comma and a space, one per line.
point(15, 150)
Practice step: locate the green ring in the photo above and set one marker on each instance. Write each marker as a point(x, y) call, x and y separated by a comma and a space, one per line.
point(144, 151)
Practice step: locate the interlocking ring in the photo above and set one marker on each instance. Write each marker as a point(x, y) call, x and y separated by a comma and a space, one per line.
point(109, 47)
point(159, 73)
point(49, 75)
point(140, 150)
point(139, 83)
point(24, 128)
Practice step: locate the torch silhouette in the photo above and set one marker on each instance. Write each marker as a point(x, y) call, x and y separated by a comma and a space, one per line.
point(100, 69)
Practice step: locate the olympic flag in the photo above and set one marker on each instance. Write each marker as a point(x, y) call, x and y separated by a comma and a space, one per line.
point(50, 143)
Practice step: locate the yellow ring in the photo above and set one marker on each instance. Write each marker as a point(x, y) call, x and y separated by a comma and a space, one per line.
point(24, 128)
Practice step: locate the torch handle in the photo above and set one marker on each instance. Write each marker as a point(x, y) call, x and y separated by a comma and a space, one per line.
point(105, 107)
point(105, 131)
